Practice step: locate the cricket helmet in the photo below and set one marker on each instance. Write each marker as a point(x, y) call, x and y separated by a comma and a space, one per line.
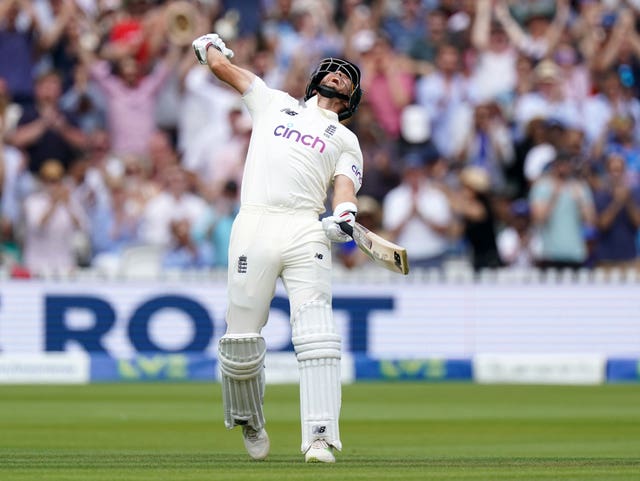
point(332, 64)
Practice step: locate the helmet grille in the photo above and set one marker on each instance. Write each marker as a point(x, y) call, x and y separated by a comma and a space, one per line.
point(333, 64)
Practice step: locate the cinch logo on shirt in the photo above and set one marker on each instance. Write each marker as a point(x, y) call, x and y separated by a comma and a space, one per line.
point(357, 173)
point(297, 136)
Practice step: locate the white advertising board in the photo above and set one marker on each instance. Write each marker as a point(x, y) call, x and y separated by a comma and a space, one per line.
point(390, 321)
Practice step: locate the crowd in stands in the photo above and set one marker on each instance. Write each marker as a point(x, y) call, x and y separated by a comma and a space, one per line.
point(503, 132)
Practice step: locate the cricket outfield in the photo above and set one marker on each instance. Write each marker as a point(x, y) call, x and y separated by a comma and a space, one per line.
point(390, 431)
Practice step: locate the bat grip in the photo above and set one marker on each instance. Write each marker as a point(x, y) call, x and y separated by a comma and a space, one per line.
point(346, 228)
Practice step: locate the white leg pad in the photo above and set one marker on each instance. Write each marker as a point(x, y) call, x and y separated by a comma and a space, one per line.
point(242, 378)
point(317, 346)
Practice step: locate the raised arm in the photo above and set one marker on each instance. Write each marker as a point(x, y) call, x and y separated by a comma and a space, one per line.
point(514, 31)
point(623, 31)
point(558, 25)
point(218, 61)
point(481, 25)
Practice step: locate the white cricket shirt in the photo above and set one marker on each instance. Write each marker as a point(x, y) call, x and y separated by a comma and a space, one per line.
point(296, 149)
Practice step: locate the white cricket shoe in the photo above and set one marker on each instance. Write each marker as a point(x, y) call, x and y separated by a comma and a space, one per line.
point(256, 442)
point(319, 452)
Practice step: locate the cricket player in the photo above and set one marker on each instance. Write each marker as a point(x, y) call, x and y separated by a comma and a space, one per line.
point(298, 149)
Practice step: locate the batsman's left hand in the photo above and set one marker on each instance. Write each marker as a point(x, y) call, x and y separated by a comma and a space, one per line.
point(344, 212)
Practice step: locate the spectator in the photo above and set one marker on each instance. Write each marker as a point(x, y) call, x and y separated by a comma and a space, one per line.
point(574, 74)
point(620, 139)
point(138, 181)
point(494, 74)
point(217, 166)
point(588, 31)
point(621, 49)
point(389, 84)
point(104, 167)
point(535, 134)
point(173, 203)
point(52, 217)
point(303, 31)
point(406, 26)
point(12, 166)
point(88, 189)
point(472, 204)
point(542, 154)
point(183, 252)
point(548, 100)
point(370, 216)
point(541, 33)
point(130, 95)
point(61, 40)
point(137, 31)
point(161, 155)
point(279, 31)
point(213, 229)
point(525, 80)
point(418, 216)
point(44, 130)
point(206, 101)
point(610, 101)
point(562, 209)
point(423, 50)
point(516, 243)
point(85, 102)
point(115, 226)
point(383, 173)
point(488, 144)
point(19, 33)
point(359, 26)
point(444, 94)
point(618, 217)
point(10, 111)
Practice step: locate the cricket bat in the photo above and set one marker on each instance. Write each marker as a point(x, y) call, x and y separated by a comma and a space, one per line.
point(381, 251)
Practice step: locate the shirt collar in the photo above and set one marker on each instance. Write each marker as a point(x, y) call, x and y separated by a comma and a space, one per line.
point(330, 114)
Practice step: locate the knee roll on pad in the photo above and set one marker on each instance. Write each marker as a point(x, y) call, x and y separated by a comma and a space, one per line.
point(242, 378)
point(317, 346)
point(314, 332)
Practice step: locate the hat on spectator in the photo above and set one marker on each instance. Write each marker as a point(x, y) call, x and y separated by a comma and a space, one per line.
point(537, 160)
point(520, 208)
point(415, 124)
point(430, 153)
point(547, 70)
point(565, 55)
point(363, 40)
point(475, 178)
point(413, 160)
point(368, 206)
point(555, 123)
point(51, 170)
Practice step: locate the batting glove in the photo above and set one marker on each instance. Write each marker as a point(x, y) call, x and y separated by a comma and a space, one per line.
point(344, 212)
point(201, 44)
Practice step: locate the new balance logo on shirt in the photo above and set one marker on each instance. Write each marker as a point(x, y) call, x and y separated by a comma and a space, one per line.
point(289, 112)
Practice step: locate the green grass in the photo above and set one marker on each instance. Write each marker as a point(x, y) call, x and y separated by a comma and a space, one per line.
point(401, 431)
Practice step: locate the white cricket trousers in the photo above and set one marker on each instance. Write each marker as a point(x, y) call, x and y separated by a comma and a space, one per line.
point(267, 243)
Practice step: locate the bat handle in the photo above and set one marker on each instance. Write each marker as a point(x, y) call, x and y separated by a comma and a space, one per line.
point(346, 228)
